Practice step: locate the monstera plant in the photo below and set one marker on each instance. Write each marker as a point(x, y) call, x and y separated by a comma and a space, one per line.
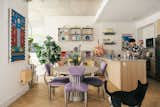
point(48, 52)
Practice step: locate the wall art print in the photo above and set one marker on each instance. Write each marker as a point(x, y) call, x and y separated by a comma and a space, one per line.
point(16, 36)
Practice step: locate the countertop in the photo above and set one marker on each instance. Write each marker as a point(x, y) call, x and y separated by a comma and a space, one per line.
point(121, 60)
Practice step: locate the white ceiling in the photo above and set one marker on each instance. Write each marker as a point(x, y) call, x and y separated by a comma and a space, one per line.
point(114, 10)
point(63, 7)
point(129, 10)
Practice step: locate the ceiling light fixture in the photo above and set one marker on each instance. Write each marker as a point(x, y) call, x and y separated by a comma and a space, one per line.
point(103, 4)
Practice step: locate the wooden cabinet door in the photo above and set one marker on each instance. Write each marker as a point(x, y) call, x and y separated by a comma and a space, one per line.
point(132, 71)
point(114, 73)
point(158, 27)
point(124, 76)
point(129, 76)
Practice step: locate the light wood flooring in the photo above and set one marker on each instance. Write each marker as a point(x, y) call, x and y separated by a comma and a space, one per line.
point(38, 97)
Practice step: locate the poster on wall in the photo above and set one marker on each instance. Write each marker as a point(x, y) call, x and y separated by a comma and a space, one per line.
point(16, 36)
point(125, 40)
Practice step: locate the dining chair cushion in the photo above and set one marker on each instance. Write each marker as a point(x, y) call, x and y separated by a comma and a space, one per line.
point(56, 84)
point(61, 79)
point(82, 87)
point(93, 81)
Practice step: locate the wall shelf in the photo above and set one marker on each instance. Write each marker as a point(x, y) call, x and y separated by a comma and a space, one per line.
point(75, 34)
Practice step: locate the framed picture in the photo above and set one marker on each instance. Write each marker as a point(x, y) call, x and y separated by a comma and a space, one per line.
point(16, 36)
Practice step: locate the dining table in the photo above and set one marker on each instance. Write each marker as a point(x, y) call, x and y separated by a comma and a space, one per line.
point(63, 70)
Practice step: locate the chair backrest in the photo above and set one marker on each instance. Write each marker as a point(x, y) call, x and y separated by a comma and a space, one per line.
point(48, 69)
point(103, 66)
point(76, 72)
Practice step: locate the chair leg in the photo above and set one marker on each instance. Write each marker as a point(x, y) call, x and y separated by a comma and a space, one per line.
point(71, 96)
point(103, 90)
point(66, 100)
point(98, 91)
point(50, 89)
point(85, 99)
point(68, 97)
point(53, 90)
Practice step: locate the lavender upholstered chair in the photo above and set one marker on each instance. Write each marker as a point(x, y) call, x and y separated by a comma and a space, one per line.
point(75, 86)
point(98, 81)
point(55, 82)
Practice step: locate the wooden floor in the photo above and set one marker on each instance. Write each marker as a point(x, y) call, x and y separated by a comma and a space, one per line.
point(38, 97)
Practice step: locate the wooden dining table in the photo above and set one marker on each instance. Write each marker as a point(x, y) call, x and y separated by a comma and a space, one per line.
point(63, 70)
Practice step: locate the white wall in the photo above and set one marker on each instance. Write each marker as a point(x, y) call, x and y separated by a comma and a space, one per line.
point(147, 27)
point(148, 32)
point(10, 88)
point(148, 20)
point(49, 25)
point(119, 28)
point(52, 24)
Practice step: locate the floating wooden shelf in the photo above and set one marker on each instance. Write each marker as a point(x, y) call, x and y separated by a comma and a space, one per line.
point(109, 33)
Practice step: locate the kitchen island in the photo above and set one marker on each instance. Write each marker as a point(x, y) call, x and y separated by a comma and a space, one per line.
point(124, 74)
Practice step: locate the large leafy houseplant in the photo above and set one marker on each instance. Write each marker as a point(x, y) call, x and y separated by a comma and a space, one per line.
point(48, 52)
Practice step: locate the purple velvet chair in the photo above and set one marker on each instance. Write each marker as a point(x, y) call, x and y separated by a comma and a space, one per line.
point(55, 82)
point(98, 81)
point(76, 86)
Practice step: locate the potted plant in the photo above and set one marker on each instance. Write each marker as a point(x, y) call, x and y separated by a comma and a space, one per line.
point(48, 52)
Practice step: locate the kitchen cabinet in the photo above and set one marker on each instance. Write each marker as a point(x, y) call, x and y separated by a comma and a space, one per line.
point(124, 74)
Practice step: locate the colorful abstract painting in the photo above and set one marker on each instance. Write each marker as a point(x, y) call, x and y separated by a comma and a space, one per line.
point(17, 36)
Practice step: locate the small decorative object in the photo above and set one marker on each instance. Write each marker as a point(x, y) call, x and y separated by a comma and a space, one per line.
point(73, 38)
point(88, 54)
point(16, 36)
point(99, 50)
point(78, 37)
point(109, 31)
point(63, 54)
point(63, 38)
point(75, 56)
point(119, 57)
point(108, 41)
